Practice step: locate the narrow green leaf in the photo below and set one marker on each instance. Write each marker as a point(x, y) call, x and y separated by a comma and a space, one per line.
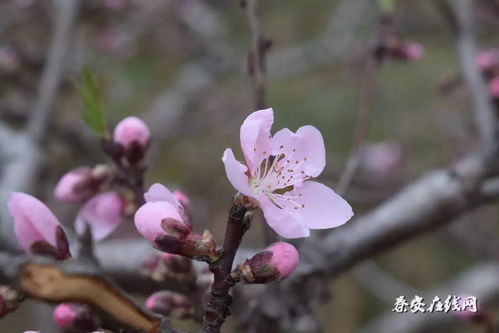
point(386, 6)
point(93, 114)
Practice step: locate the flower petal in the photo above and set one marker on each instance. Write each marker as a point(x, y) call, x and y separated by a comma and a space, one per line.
point(323, 208)
point(285, 222)
point(236, 172)
point(103, 213)
point(159, 192)
point(32, 219)
point(255, 136)
point(149, 216)
point(303, 150)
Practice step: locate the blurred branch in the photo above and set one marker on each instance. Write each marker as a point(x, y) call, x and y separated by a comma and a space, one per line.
point(434, 200)
point(481, 281)
point(20, 152)
point(65, 14)
point(482, 105)
point(78, 281)
point(332, 43)
point(256, 68)
point(379, 283)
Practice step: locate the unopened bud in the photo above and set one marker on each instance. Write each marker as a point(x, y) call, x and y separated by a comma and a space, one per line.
point(161, 224)
point(82, 183)
point(170, 304)
point(74, 317)
point(276, 262)
point(132, 138)
point(37, 230)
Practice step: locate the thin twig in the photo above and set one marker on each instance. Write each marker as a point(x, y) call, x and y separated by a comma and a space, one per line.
point(219, 300)
point(483, 109)
point(256, 69)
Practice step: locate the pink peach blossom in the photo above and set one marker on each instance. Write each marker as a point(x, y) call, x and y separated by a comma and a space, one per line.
point(277, 175)
point(37, 230)
point(130, 131)
point(103, 213)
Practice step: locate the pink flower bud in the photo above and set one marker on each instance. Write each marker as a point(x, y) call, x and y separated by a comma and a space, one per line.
point(37, 229)
point(131, 131)
point(74, 317)
point(494, 87)
point(81, 183)
point(10, 299)
point(170, 304)
point(488, 59)
point(70, 187)
point(161, 223)
point(414, 51)
point(103, 213)
point(382, 158)
point(275, 263)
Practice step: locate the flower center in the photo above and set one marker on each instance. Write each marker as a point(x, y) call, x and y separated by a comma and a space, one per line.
point(276, 177)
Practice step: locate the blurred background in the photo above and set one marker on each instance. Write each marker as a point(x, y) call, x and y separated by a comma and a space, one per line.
point(181, 66)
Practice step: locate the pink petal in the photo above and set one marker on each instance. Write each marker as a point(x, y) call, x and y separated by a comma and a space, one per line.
point(287, 223)
point(304, 149)
point(33, 220)
point(103, 213)
point(236, 172)
point(148, 218)
point(159, 192)
point(323, 207)
point(255, 135)
point(66, 188)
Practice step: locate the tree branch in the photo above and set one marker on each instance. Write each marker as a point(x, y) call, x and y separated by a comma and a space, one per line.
point(481, 281)
point(219, 300)
point(483, 109)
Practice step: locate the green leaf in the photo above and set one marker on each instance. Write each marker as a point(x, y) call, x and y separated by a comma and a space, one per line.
point(89, 91)
point(386, 6)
